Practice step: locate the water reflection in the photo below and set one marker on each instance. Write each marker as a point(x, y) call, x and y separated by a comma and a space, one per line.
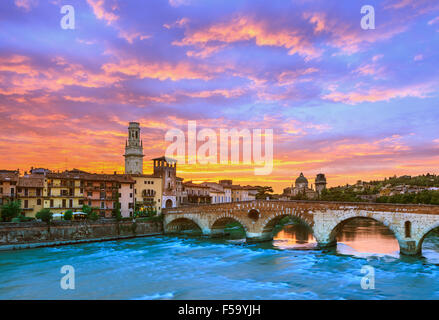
point(366, 236)
point(294, 236)
point(358, 237)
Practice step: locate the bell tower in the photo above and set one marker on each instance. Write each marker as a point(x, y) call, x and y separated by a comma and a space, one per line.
point(134, 150)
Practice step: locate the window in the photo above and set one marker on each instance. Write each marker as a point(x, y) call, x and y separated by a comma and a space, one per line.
point(38, 202)
point(26, 204)
point(408, 229)
point(51, 203)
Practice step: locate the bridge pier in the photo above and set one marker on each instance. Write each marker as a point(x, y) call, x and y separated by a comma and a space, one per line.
point(409, 248)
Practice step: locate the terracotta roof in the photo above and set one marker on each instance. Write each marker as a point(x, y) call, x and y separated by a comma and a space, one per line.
point(194, 185)
point(29, 182)
point(82, 175)
point(145, 175)
point(8, 176)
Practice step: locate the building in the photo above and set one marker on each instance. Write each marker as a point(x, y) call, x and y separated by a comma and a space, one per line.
point(252, 192)
point(148, 192)
point(197, 193)
point(70, 190)
point(134, 150)
point(30, 190)
point(320, 183)
point(8, 185)
point(167, 169)
point(216, 192)
point(301, 188)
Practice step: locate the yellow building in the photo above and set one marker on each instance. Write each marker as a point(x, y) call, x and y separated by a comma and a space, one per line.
point(63, 192)
point(148, 192)
point(30, 191)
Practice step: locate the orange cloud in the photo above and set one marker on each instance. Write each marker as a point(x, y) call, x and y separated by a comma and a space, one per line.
point(101, 12)
point(374, 94)
point(161, 71)
point(246, 29)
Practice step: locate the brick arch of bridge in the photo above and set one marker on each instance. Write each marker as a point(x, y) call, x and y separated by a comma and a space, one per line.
point(218, 225)
point(326, 230)
point(176, 224)
point(262, 230)
point(271, 221)
point(422, 234)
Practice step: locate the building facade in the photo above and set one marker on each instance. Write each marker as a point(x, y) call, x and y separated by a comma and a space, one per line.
point(148, 192)
point(167, 169)
point(301, 188)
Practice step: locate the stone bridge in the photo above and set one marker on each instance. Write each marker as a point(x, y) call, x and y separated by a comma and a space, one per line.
point(409, 223)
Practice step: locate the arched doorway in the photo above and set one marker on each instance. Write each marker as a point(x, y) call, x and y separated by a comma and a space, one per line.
point(362, 236)
point(168, 203)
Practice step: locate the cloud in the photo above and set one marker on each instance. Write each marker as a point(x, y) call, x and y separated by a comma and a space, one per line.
point(434, 21)
point(379, 94)
point(178, 3)
point(27, 5)
point(212, 39)
point(101, 12)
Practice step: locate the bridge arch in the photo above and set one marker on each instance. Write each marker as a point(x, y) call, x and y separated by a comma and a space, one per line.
point(422, 235)
point(332, 238)
point(269, 223)
point(182, 223)
point(218, 225)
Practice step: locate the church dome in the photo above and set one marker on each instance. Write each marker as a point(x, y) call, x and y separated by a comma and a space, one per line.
point(301, 179)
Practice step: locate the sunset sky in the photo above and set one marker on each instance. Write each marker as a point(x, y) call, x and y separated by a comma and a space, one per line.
point(347, 102)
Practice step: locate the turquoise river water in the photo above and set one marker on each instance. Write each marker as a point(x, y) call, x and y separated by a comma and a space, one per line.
point(187, 267)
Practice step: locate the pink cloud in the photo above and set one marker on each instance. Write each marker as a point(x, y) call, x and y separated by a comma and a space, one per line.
point(247, 29)
point(26, 4)
point(101, 12)
point(374, 94)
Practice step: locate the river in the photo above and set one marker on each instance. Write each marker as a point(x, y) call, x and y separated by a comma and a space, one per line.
point(187, 267)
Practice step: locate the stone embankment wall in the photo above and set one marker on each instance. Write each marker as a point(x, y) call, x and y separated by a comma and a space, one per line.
point(34, 234)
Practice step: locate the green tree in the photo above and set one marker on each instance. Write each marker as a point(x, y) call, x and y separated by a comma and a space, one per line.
point(46, 216)
point(10, 210)
point(116, 211)
point(90, 212)
point(68, 215)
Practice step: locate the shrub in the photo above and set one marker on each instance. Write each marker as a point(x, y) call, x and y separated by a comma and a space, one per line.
point(93, 216)
point(10, 210)
point(68, 215)
point(45, 215)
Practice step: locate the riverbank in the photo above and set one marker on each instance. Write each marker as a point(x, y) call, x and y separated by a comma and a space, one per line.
point(34, 234)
